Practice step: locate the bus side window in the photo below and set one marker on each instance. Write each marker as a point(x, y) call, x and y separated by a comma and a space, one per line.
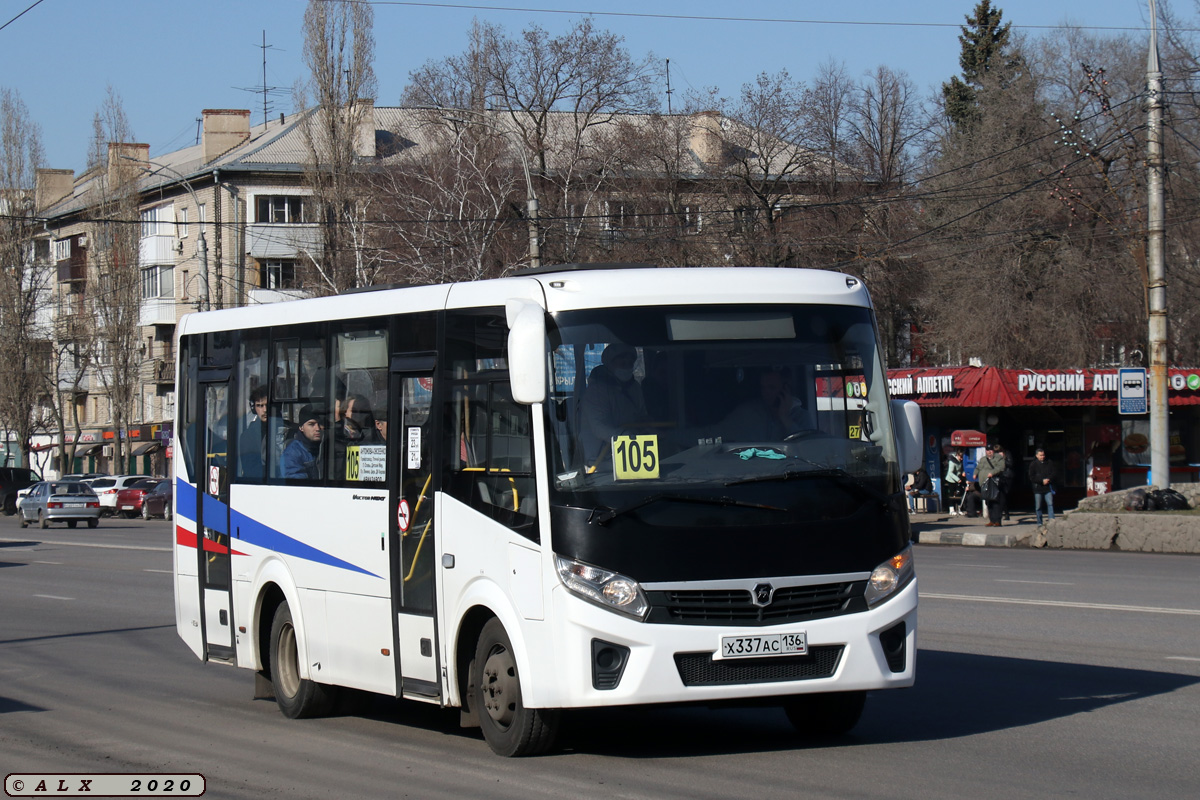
point(489, 439)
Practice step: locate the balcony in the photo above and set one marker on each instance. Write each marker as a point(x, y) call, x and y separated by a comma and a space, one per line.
point(281, 241)
point(262, 296)
point(157, 250)
point(158, 311)
point(162, 371)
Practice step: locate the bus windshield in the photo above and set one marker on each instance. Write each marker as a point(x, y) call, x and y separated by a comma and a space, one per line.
point(757, 409)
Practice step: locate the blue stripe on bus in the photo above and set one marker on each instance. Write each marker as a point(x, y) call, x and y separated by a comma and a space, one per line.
point(254, 532)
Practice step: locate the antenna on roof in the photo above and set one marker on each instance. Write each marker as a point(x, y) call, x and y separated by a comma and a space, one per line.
point(266, 91)
point(668, 86)
point(199, 122)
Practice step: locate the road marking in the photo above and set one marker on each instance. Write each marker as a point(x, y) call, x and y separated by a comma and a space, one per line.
point(1040, 583)
point(1182, 658)
point(93, 544)
point(1062, 604)
point(163, 571)
point(55, 563)
point(53, 597)
point(976, 566)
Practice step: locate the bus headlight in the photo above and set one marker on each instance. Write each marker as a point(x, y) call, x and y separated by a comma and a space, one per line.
point(890, 577)
point(609, 589)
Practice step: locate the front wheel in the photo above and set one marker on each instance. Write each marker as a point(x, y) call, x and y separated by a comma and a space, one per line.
point(93, 523)
point(509, 728)
point(829, 714)
point(296, 697)
point(24, 522)
point(71, 523)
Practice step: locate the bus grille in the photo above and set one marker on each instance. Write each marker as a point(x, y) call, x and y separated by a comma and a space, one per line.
point(701, 669)
point(735, 606)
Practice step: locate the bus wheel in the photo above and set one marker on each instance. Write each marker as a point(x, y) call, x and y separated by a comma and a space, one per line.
point(297, 697)
point(509, 727)
point(830, 714)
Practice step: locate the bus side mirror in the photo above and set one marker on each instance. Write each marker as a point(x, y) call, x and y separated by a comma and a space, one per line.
point(906, 418)
point(526, 351)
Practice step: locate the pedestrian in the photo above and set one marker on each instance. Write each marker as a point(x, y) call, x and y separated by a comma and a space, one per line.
point(920, 485)
point(954, 481)
point(1042, 474)
point(989, 474)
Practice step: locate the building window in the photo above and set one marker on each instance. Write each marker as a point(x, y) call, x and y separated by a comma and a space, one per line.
point(279, 274)
point(62, 249)
point(279, 209)
point(158, 280)
point(181, 222)
point(155, 222)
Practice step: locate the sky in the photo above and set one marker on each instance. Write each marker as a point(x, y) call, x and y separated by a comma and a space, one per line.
point(168, 60)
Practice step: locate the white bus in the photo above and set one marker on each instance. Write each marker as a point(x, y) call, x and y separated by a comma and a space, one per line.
point(574, 487)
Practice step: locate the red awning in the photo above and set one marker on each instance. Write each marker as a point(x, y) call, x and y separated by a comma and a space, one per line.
point(968, 439)
point(992, 387)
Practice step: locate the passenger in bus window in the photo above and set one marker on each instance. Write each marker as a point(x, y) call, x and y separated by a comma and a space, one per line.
point(301, 458)
point(771, 415)
point(252, 444)
point(612, 402)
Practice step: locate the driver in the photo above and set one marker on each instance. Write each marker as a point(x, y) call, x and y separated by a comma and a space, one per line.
point(771, 416)
point(612, 402)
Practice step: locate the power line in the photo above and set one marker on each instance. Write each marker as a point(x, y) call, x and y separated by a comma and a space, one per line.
point(23, 13)
point(715, 18)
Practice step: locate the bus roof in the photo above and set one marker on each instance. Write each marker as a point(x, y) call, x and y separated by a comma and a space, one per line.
point(570, 288)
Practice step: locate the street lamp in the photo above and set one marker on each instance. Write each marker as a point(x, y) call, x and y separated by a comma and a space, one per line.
point(535, 255)
point(201, 242)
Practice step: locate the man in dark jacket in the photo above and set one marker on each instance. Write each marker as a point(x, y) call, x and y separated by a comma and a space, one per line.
point(1042, 475)
point(992, 466)
point(921, 485)
point(302, 456)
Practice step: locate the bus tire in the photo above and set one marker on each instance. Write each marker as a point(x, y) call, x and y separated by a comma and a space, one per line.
point(296, 697)
point(828, 714)
point(509, 728)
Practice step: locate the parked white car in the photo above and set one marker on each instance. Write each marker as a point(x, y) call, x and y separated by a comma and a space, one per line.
point(106, 489)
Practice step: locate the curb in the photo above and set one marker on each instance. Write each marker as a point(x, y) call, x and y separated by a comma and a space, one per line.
point(968, 538)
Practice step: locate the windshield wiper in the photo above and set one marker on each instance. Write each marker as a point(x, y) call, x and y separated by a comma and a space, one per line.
point(607, 515)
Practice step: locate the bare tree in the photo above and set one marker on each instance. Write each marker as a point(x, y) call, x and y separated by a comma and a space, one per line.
point(339, 50)
point(450, 213)
point(556, 96)
point(113, 255)
point(24, 281)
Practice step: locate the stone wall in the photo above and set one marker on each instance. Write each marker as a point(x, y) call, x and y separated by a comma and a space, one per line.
point(1101, 523)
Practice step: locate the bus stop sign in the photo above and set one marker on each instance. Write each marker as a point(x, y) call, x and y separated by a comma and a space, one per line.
point(1131, 391)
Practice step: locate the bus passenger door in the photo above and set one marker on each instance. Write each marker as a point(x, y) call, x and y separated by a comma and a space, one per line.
point(410, 480)
point(212, 519)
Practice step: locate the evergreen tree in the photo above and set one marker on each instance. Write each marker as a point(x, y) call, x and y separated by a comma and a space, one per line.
point(984, 41)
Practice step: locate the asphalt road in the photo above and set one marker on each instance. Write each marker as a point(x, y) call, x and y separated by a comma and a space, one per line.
point(1040, 674)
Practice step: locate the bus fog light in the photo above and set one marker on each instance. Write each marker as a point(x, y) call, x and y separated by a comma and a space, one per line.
point(602, 587)
point(889, 577)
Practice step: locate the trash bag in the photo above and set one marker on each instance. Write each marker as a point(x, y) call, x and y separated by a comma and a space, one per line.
point(1136, 500)
point(991, 489)
point(1166, 500)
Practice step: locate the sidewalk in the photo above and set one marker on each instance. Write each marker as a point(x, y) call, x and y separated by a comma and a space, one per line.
point(941, 528)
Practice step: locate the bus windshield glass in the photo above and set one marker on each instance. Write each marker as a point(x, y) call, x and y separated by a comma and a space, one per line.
point(728, 405)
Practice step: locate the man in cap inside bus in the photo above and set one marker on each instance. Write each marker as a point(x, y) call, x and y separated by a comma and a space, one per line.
point(612, 402)
point(302, 457)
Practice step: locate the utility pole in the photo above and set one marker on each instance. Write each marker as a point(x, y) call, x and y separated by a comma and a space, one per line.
point(1160, 467)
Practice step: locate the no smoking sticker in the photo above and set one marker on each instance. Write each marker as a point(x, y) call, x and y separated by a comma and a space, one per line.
point(402, 516)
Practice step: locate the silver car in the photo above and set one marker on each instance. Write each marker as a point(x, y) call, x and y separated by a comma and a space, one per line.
point(60, 501)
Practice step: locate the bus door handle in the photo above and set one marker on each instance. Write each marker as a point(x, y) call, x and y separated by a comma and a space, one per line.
point(448, 560)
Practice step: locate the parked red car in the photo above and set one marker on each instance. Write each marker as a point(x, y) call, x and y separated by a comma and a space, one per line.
point(130, 499)
point(159, 502)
